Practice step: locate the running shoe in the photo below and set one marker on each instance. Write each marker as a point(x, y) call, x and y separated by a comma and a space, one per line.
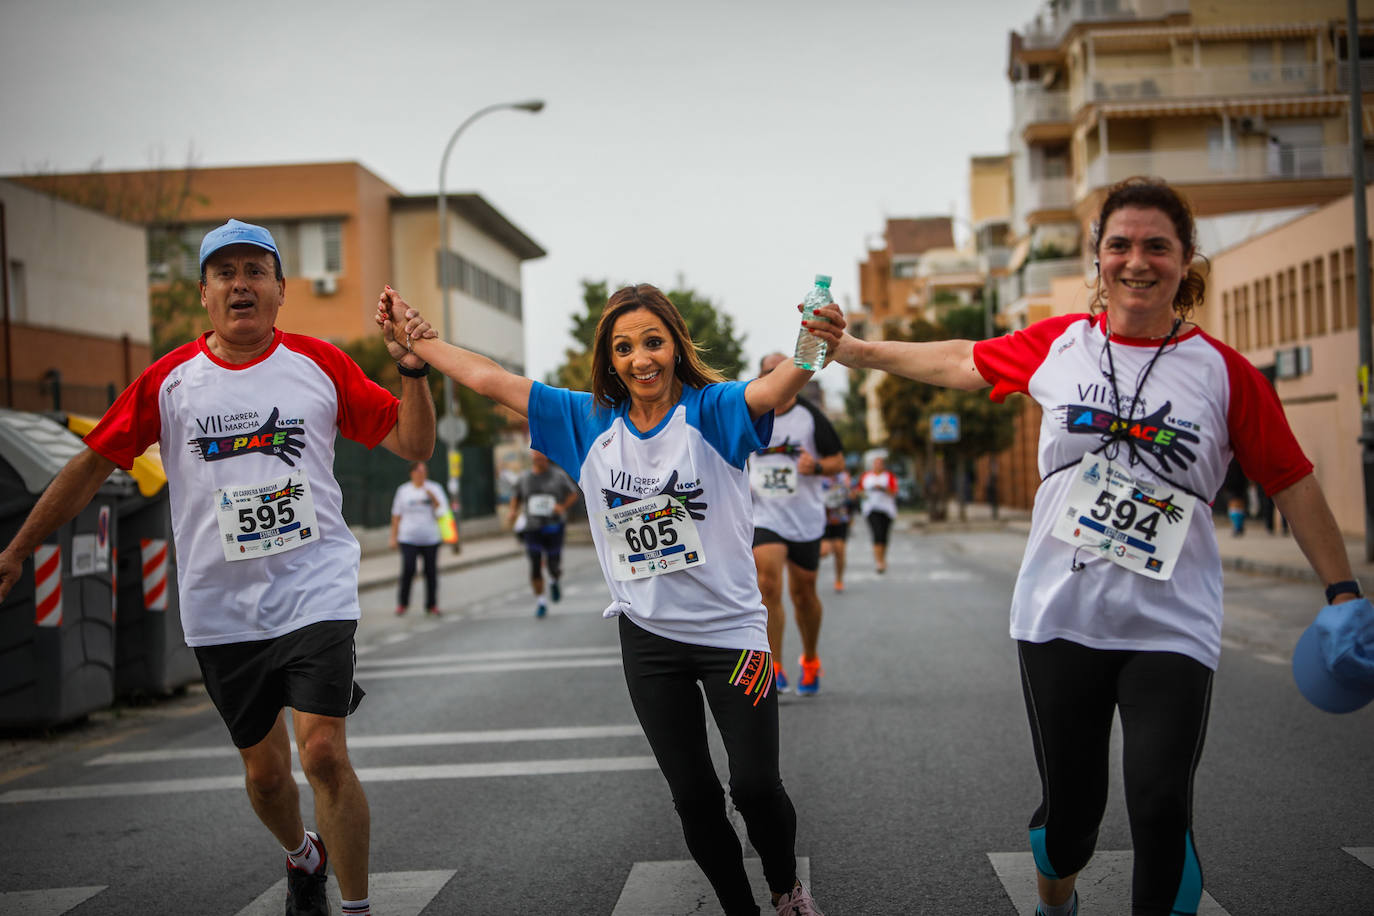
point(400, 609)
point(540, 610)
point(305, 890)
point(554, 591)
point(432, 611)
point(839, 586)
point(811, 676)
point(780, 678)
point(797, 902)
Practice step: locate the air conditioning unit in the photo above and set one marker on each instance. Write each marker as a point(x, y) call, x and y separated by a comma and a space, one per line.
point(327, 285)
point(1252, 125)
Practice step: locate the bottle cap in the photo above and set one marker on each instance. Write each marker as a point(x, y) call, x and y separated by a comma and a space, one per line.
point(823, 280)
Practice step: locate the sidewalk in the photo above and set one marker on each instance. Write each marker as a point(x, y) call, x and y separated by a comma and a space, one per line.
point(1257, 551)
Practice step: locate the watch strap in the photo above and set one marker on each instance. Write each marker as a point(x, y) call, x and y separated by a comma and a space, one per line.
point(1344, 587)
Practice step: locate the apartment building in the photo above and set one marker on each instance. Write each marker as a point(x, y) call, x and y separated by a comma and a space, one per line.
point(1242, 105)
point(75, 308)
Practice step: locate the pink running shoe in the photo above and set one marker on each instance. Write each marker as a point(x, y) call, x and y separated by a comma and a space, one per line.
point(797, 902)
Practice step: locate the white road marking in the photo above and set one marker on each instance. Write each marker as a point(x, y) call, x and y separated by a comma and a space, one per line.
point(366, 774)
point(679, 888)
point(1104, 885)
point(494, 656)
point(50, 902)
point(1272, 659)
point(395, 893)
point(422, 739)
point(375, 674)
point(1364, 853)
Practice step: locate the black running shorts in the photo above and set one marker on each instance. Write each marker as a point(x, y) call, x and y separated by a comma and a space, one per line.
point(310, 670)
point(806, 554)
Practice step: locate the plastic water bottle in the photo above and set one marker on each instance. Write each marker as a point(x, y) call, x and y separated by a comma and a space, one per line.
point(810, 352)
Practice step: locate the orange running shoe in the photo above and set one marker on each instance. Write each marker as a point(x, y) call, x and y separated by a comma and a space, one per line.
point(810, 676)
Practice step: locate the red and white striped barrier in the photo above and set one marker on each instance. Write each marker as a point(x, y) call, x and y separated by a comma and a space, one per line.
point(154, 574)
point(47, 585)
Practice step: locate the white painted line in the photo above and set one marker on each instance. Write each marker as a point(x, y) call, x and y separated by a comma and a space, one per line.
point(680, 889)
point(366, 774)
point(376, 674)
point(395, 893)
point(50, 902)
point(500, 655)
point(1272, 659)
point(423, 739)
point(1364, 853)
point(1104, 884)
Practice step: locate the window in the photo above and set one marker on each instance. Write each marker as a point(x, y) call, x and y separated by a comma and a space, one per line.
point(19, 292)
point(1337, 313)
point(1261, 62)
point(1284, 334)
point(1351, 317)
point(903, 268)
point(1318, 298)
point(1294, 56)
point(1226, 317)
point(1307, 316)
point(1289, 303)
point(1243, 330)
point(467, 277)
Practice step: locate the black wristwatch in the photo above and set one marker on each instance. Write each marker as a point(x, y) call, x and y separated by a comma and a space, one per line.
point(1347, 587)
point(421, 372)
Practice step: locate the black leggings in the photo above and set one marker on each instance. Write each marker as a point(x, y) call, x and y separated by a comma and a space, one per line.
point(1163, 698)
point(662, 676)
point(879, 523)
point(409, 553)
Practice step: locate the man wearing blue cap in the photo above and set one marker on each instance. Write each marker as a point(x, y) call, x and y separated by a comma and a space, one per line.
point(246, 417)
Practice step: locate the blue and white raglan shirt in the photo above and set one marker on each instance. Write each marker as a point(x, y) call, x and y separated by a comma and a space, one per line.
point(697, 454)
point(1201, 403)
point(222, 426)
point(787, 503)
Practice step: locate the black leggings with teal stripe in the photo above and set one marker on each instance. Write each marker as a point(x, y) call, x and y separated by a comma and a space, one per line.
point(1163, 698)
point(663, 677)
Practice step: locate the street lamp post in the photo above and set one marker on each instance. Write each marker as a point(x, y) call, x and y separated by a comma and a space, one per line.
point(452, 428)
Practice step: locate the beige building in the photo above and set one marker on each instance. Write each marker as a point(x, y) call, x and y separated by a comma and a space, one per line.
point(75, 309)
point(1287, 300)
point(1240, 104)
point(343, 233)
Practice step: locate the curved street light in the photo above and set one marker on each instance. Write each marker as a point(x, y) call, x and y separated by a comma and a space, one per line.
point(451, 426)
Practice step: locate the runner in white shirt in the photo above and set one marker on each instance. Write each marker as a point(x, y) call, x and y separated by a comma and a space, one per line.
point(658, 448)
point(415, 511)
point(246, 417)
point(1117, 607)
point(789, 518)
point(878, 506)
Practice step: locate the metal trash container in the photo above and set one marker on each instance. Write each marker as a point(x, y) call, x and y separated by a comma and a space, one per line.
point(57, 625)
point(151, 655)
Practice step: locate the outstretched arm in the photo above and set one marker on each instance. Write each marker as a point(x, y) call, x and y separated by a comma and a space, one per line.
point(67, 495)
point(781, 385)
point(946, 363)
point(471, 370)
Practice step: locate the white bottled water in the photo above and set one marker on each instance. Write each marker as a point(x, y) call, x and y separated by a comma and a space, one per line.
point(810, 352)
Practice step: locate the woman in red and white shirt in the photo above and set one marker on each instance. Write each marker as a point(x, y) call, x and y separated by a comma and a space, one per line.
point(878, 495)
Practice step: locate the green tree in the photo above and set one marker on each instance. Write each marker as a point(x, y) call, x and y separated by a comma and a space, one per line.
point(712, 331)
point(853, 426)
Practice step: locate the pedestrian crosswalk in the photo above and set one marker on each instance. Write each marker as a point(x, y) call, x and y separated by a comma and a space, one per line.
point(679, 888)
point(396, 893)
point(1104, 885)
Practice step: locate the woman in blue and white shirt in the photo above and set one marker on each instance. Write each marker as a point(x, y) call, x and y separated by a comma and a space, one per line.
point(659, 447)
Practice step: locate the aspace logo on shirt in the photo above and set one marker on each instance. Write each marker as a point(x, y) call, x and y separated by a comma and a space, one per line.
point(643, 487)
point(1166, 437)
point(283, 438)
point(787, 447)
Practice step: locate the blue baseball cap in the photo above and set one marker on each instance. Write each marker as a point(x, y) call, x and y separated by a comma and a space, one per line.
point(1333, 662)
point(236, 232)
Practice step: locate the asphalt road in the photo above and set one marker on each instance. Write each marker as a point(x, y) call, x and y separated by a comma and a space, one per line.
point(506, 773)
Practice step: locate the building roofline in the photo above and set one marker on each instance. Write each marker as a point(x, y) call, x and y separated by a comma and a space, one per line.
point(476, 210)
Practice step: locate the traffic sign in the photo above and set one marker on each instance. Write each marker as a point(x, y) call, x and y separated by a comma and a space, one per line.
point(453, 429)
point(944, 427)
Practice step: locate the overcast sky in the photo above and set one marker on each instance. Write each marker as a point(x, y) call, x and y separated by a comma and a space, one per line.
point(745, 146)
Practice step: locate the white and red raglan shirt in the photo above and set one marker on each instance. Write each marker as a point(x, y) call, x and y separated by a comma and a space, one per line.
point(878, 493)
point(1201, 403)
point(225, 429)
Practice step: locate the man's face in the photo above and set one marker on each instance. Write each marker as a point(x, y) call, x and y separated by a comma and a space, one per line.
point(241, 293)
point(538, 462)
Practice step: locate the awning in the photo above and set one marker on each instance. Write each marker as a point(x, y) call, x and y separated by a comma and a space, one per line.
point(1290, 107)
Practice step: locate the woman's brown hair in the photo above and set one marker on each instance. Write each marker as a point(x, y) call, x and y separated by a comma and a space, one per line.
point(1155, 194)
point(608, 389)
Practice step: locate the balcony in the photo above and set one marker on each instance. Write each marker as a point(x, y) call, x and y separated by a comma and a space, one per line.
point(1141, 85)
point(1050, 28)
point(1036, 278)
point(1047, 194)
point(1366, 75)
point(1034, 105)
point(1218, 165)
